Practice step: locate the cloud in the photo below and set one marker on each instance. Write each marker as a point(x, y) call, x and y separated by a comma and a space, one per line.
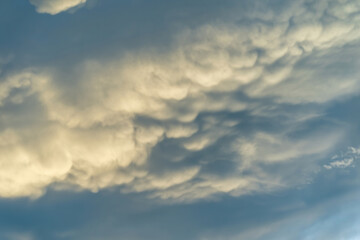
point(161, 122)
point(344, 160)
point(333, 219)
point(55, 6)
point(340, 164)
point(17, 236)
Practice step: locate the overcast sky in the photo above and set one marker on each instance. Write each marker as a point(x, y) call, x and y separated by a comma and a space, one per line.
point(179, 119)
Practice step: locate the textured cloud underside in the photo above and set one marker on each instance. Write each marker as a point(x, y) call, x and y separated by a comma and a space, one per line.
point(55, 6)
point(112, 126)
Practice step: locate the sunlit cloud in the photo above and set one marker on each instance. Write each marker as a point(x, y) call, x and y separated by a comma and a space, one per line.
point(103, 128)
point(55, 6)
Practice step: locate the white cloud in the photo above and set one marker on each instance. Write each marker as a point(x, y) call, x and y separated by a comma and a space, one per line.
point(92, 134)
point(340, 164)
point(344, 159)
point(55, 6)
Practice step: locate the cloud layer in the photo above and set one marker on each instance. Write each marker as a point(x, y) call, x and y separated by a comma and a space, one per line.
point(188, 123)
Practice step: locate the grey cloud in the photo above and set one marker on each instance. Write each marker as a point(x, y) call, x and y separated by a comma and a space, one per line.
point(320, 221)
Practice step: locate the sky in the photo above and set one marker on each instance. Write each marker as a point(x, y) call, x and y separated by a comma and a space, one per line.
point(182, 119)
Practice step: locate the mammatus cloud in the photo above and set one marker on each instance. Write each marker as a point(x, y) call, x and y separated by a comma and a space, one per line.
point(161, 122)
point(55, 6)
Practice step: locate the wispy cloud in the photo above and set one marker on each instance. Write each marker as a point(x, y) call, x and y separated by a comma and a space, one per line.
point(55, 6)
